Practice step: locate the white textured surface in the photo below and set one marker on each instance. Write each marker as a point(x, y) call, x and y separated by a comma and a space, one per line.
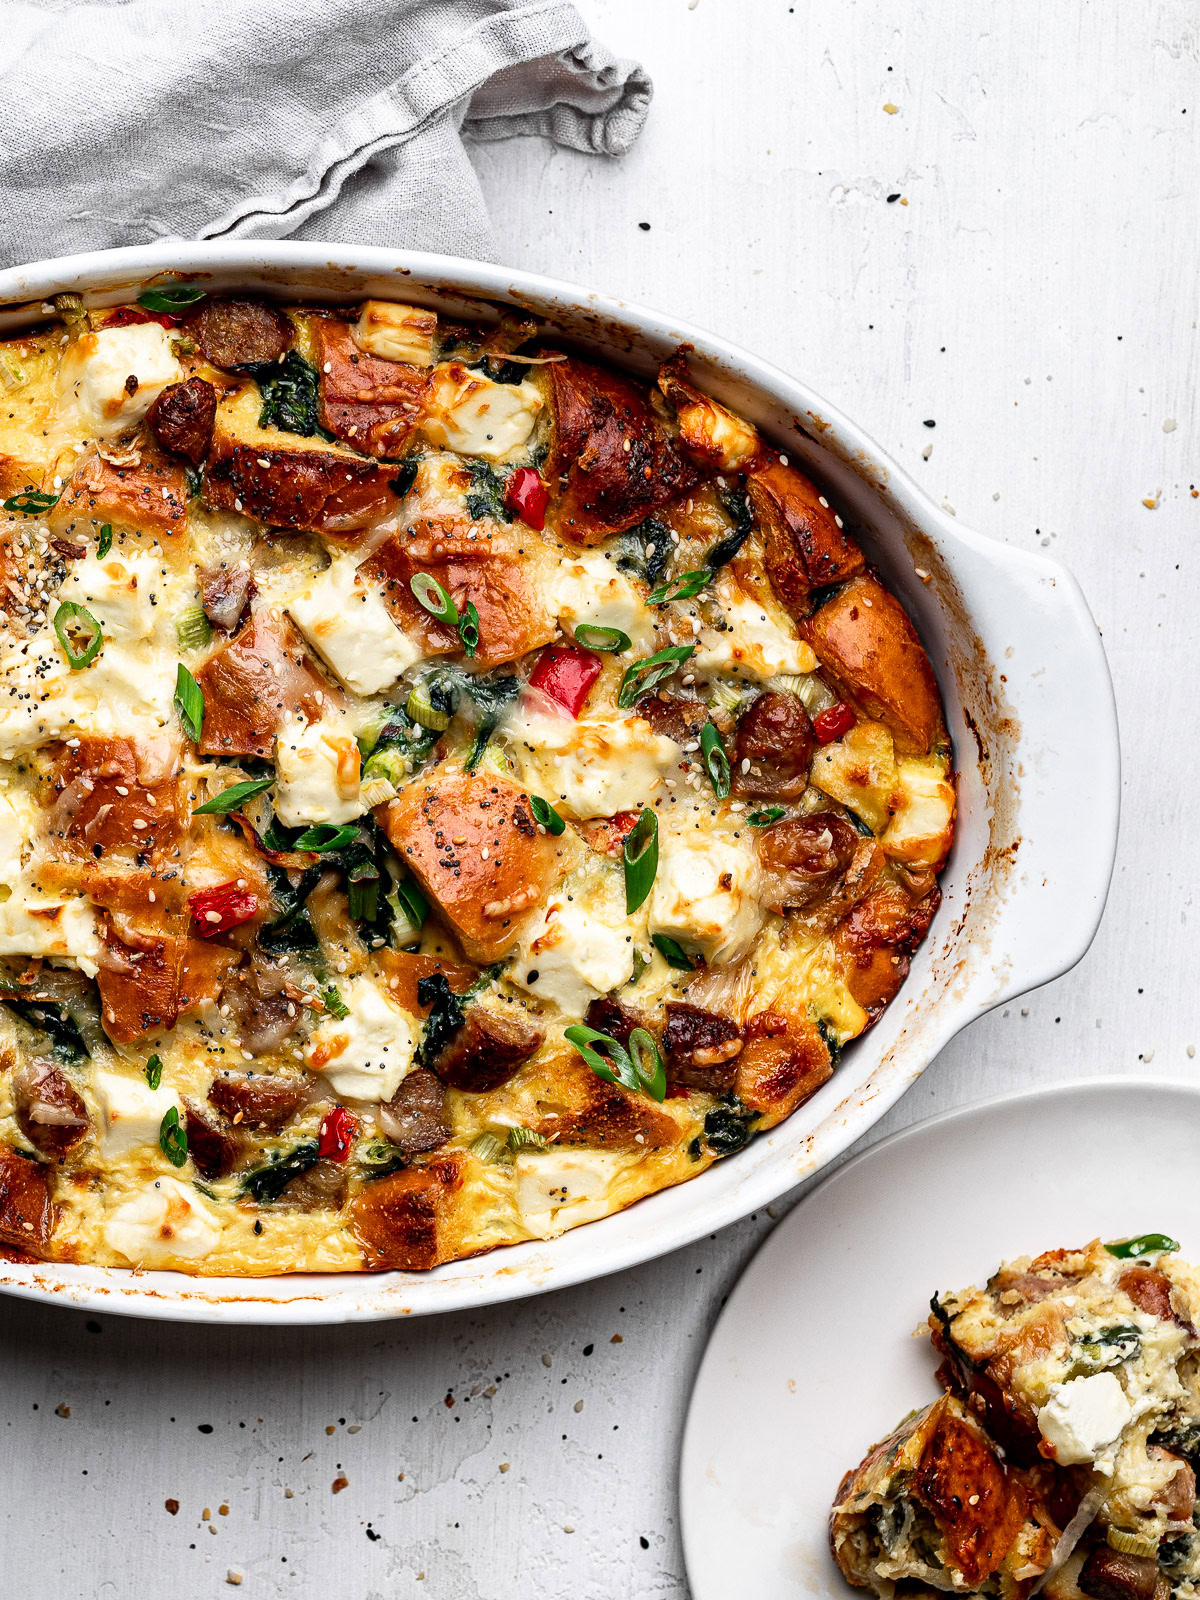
point(1036, 299)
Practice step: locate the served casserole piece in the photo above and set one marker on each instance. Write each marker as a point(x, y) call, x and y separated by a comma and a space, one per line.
point(453, 789)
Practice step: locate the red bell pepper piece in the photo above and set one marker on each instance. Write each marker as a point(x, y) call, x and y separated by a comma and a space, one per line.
point(129, 316)
point(566, 676)
point(217, 910)
point(832, 724)
point(528, 496)
point(337, 1134)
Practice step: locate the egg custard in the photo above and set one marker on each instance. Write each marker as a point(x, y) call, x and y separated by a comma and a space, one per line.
point(1061, 1459)
point(449, 789)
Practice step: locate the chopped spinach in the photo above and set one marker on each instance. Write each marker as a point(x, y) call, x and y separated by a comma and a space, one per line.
point(401, 747)
point(1182, 1439)
point(737, 503)
point(485, 498)
point(52, 1018)
point(728, 1126)
point(492, 698)
point(830, 1040)
point(445, 1016)
point(645, 550)
point(501, 370)
point(291, 932)
point(267, 1183)
point(291, 394)
point(406, 476)
point(1107, 1346)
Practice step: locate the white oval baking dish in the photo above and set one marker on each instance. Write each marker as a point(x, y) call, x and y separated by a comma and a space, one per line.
point(1028, 701)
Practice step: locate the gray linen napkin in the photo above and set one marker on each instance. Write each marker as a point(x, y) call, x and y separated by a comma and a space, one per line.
point(126, 121)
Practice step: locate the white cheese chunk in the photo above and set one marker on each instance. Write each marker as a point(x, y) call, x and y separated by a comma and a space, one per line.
point(706, 894)
point(1083, 1416)
point(559, 1188)
point(578, 947)
point(756, 642)
point(396, 332)
point(367, 1055)
point(57, 930)
point(589, 589)
point(167, 1218)
point(350, 627)
point(593, 767)
point(131, 1111)
point(469, 413)
point(122, 592)
point(317, 770)
point(113, 376)
point(17, 824)
point(923, 816)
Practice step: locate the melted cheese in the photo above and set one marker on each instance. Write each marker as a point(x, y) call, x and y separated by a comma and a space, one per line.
point(165, 1220)
point(579, 946)
point(123, 592)
point(469, 413)
point(131, 1111)
point(756, 642)
point(112, 377)
point(367, 1055)
point(593, 767)
point(559, 1189)
point(317, 767)
point(55, 929)
point(350, 627)
point(396, 333)
point(706, 893)
point(589, 589)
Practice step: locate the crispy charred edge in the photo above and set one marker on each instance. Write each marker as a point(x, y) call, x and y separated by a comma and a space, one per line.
point(27, 1209)
point(974, 1385)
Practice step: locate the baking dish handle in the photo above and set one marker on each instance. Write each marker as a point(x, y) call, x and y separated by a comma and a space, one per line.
point(1061, 791)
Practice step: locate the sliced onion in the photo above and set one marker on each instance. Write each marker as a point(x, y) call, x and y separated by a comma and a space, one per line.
point(1071, 1535)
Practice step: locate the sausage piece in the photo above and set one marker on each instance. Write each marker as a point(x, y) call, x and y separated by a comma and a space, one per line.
point(239, 333)
point(212, 1150)
point(803, 856)
point(700, 1047)
point(257, 1101)
point(49, 1112)
point(413, 1118)
point(487, 1050)
point(775, 735)
point(225, 592)
point(672, 716)
point(182, 418)
point(1109, 1575)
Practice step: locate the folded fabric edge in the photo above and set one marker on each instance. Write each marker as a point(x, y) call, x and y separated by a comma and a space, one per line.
point(619, 90)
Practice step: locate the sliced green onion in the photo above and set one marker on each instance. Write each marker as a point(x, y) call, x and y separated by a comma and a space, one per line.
point(334, 1005)
point(488, 1148)
point(171, 298)
point(431, 704)
point(716, 762)
point(494, 759)
point(12, 373)
point(525, 1139)
point(641, 860)
point(31, 502)
point(640, 962)
point(648, 1064)
point(468, 628)
point(648, 674)
point(1146, 1244)
point(672, 952)
point(172, 1138)
point(70, 308)
point(545, 813)
point(325, 836)
point(233, 797)
point(763, 818)
point(79, 619)
point(412, 902)
point(189, 702)
point(593, 637)
point(192, 628)
point(684, 587)
point(433, 597)
point(154, 1070)
point(364, 899)
point(105, 543)
point(641, 1072)
point(377, 792)
point(728, 697)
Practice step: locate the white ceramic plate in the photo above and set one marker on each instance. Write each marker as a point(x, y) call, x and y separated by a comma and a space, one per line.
point(813, 1358)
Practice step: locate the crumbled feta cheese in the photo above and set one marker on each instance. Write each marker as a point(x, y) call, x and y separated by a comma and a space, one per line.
point(115, 375)
point(396, 332)
point(131, 1111)
point(1083, 1416)
point(121, 592)
point(588, 588)
point(349, 625)
point(706, 894)
point(559, 1188)
point(17, 822)
point(758, 642)
point(469, 413)
point(54, 929)
point(367, 1055)
point(593, 767)
point(578, 947)
point(317, 770)
point(167, 1218)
